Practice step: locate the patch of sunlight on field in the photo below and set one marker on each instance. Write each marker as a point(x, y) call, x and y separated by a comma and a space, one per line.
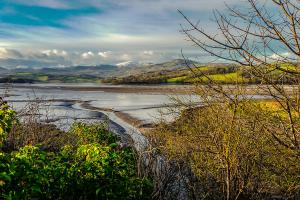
point(225, 78)
point(43, 78)
point(274, 108)
point(177, 79)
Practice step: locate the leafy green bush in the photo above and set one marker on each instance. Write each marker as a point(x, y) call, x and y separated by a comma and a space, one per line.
point(94, 167)
point(6, 120)
point(90, 171)
point(86, 133)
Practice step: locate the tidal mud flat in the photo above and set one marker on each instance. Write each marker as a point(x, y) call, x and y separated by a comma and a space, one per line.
point(141, 104)
point(138, 106)
point(125, 108)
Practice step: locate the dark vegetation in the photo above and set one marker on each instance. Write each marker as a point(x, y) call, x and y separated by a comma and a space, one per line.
point(38, 161)
point(49, 78)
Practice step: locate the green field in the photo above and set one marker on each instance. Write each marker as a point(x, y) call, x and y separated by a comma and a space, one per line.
point(223, 78)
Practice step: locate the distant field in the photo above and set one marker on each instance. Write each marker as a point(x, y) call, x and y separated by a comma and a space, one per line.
point(226, 78)
point(224, 74)
point(28, 77)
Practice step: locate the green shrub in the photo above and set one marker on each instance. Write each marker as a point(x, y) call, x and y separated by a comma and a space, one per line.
point(6, 121)
point(92, 167)
point(90, 171)
point(86, 133)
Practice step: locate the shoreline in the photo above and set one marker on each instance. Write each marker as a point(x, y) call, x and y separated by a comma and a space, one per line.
point(149, 89)
point(154, 89)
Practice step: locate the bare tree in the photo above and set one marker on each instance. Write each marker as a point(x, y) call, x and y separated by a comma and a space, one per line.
point(264, 37)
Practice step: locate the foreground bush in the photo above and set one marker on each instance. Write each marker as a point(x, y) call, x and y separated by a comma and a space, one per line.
point(6, 121)
point(93, 166)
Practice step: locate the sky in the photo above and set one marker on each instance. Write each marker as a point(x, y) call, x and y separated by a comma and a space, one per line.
point(60, 33)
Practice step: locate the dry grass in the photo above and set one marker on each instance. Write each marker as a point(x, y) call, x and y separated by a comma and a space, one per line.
point(245, 145)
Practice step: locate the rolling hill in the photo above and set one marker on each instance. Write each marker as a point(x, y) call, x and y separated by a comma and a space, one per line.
point(75, 74)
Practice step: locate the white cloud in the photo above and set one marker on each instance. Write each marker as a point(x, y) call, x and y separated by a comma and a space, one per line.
point(148, 53)
point(3, 53)
point(105, 54)
point(55, 52)
point(87, 55)
point(126, 27)
point(124, 64)
point(9, 53)
point(11, 58)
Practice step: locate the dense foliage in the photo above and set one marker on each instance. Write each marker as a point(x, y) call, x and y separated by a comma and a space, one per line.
point(93, 166)
point(6, 121)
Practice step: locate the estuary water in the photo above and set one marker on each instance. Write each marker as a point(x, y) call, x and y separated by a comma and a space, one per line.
point(61, 105)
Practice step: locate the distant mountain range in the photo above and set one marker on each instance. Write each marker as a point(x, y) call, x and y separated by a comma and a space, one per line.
point(85, 73)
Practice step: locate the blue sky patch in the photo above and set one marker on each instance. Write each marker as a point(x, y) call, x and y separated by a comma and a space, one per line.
point(40, 16)
point(92, 32)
